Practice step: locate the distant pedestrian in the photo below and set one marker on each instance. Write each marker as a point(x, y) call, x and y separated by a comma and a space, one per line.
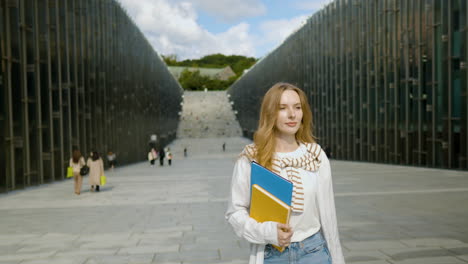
point(111, 159)
point(152, 154)
point(224, 146)
point(77, 162)
point(162, 155)
point(96, 170)
point(185, 152)
point(169, 156)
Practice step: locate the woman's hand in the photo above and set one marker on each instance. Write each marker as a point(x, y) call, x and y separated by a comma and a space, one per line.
point(285, 233)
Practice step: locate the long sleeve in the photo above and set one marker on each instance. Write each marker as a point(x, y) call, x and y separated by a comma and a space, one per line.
point(238, 209)
point(327, 211)
point(101, 167)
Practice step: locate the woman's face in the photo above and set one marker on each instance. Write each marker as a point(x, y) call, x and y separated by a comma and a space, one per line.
point(289, 114)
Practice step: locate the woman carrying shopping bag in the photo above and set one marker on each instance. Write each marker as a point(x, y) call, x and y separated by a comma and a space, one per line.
point(76, 163)
point(96, 170)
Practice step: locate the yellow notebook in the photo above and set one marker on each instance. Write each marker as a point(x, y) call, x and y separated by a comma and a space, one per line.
point(266, 207)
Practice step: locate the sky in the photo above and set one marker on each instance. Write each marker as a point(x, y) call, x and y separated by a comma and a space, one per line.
point(191, 29)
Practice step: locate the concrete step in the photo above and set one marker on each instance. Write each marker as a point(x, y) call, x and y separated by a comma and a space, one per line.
point(207, 115)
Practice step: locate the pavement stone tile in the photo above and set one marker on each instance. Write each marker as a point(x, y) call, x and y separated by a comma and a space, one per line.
point(362, 258)
point(243, 243)
point(188, 238)
point(86, 252)
point(163, 236)
point(376, 244)
point(210, 238)
point(57, 260)
point(104, 243)
point(432, 242)
point(28, 249)
point(180, 228)
point(458, 250)
point(9, 249)
point(166, 262)
point(416, 252)
point(205, 255)
point(431, 260)
point(216, 244)
point(103, 237)
point(149, 249)
point(364, 255)
point(26, 256)
point(463, 257)
point(368, 261)
point(228, 253)
point(122, 259)
point(159, 242)
point(234, 261)
point(11, 239)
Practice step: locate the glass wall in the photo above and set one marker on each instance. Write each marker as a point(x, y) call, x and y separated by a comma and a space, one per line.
point(77, 73)
point(387, 80)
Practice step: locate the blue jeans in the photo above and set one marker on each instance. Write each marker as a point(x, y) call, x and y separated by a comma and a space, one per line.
point(312, 250)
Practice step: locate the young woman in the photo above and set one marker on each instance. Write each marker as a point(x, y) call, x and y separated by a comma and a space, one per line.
point(96, 170)
point(284, 144)
point(152, 155)
point(77, 162)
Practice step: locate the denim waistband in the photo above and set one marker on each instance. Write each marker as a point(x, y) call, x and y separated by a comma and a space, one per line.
point(316, 239)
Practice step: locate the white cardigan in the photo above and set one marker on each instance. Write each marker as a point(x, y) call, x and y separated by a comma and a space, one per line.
point(260, 234)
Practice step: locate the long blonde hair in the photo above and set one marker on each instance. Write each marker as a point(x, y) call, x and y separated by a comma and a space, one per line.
point(264, 137)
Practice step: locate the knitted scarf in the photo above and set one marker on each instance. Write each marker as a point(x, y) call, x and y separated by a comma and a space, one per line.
point(309, 161)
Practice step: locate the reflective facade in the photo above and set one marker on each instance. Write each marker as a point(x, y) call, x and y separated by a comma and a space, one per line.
point(77, 73)
point(387, 80)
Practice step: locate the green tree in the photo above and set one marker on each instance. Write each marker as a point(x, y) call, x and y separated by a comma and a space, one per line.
point(170, 60)
point(194, 81)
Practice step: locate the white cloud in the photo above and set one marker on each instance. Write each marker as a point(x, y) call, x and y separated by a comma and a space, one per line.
point(312, 5)
point(172, 28)
point(231, 10)
point(274, 32)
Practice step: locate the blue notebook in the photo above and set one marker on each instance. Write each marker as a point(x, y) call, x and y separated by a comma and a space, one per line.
point(271, 182)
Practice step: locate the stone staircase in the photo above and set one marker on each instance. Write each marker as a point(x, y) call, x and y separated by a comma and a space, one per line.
point(207, 115)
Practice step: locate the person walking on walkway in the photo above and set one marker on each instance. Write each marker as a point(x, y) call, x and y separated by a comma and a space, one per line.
point(152, 154)
point(162, 155)
point(284, 144)
point(96, 170)
point(169, 156)
point(111, 159)
point(77, 162)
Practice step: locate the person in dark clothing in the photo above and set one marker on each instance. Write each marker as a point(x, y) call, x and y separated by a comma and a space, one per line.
point(162, 154)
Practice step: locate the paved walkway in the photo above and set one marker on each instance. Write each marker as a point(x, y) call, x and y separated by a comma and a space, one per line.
point(387, 214)
point(207, 115)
